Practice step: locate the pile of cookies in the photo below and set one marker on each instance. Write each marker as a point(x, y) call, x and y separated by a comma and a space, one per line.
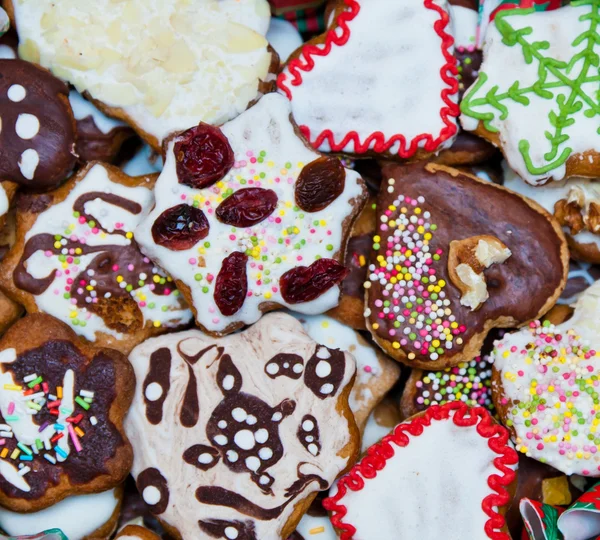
point(259, 285)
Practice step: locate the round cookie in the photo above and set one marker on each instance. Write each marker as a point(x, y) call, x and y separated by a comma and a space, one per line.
point(75, 259)
point(37, 140)
point(225, 449)
point(283, 37)
point(535, 96)
point(544, 388)
point(375, 372)
point(99, 138)
point(160, 65)
point(469, 382)
point(249, 219)
point(62, 405)
point(449, 264)
point(454, 461)
point(390, 93)
point(79, 517)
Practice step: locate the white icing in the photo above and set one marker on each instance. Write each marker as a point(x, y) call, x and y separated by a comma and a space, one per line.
point(27, 126)
point(316, 528)
point(28, 163)
point(283, 37)
point(167, 64)
point(82, 108)
point(153, 391)
point(162, 445)
point(151, 495)
point(387, 80)
point(77, 516)
point(143, 162)
point(464, 25)
point(3, 201)
point(549, 194)
point(16, 93)
point(506, 64)
point(58, 217)
point(264, 127)
point(7, 52)
point(432, 488)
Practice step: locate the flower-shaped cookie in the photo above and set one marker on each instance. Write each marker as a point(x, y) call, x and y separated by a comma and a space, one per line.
point(248, 218)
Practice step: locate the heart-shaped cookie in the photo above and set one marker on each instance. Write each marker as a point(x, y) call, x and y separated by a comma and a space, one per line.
point(446, 473)
point(449, 264)
point(381, 80)
point(234, 436)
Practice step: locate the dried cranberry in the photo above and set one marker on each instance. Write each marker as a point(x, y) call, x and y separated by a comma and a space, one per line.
point(180, 227)
point(203, 155)
point(319, 184)
point(305, 283)
point(231, 285)
point(247, 207)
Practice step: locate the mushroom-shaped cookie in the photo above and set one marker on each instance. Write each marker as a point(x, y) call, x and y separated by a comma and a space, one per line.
point(226, 446)
point(449, 264)
point(62, 405)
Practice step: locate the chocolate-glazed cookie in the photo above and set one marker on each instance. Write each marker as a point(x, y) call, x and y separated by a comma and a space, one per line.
point(37, 140)
point(449, 264)
point(62, 405)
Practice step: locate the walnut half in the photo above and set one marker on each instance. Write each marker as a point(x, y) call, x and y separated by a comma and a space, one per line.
point(467, 259)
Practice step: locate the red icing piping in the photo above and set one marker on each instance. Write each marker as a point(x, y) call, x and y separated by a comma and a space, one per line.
point(464, 416)
point(306, 63)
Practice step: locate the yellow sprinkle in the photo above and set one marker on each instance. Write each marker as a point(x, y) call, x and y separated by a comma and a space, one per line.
point(316, 530)
point(129, 235)
point(156, 279)
point(156, 324)
point(12, 387)
point(441, 283)
point(427, 236)
point(73, 314)
point(15, 453)
point(120, 278)
point(396, 345)
point(375, 326)
point(4, 453)
point(268, 295)
point(59, 392)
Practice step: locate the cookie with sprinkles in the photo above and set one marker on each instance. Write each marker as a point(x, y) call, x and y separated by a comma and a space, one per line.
point(545, 388)
point(381, 80)
point(449, 264)
point(62, 404)
point(469, 382)
point(37, 140)
point(248, 219)
point(536, 95)
point(452, 460)
point(226, 446)
point(75, 258)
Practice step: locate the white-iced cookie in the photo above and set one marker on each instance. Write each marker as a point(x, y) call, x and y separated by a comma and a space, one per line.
point(283, 37)
point(381, 80)
point(248, 218)
point(162, 65)
point(231, 443)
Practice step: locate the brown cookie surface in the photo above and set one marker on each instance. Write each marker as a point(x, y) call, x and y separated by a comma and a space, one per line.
point(435, 224)
point(37, 140)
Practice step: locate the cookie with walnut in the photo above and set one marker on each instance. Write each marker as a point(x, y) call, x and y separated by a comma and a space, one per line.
point(162, 66)
point(248, 218)
point(75, 258)
point(227, 447)
point(62, 404)
point(449, 264)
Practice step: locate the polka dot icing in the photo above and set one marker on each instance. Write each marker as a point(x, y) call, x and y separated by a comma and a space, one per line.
point(550, 390)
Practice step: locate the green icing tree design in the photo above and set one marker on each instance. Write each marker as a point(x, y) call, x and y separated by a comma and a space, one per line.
point(563, 88)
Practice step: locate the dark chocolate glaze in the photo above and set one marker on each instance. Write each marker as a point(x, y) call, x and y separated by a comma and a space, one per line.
point(215, 528)
point(295, 536)
point(309, 436)
point(34, 204)
point(337, 363)
point(353, 282)
point(101, 441)
point(95, 145)
point(192, 454)
point(285, 363)
point(462, 208)
point(47, 99)
point(153, 477)
point(159, 372)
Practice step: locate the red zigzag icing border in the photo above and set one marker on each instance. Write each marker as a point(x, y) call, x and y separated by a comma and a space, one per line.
point(305, 63)
point(377, 456)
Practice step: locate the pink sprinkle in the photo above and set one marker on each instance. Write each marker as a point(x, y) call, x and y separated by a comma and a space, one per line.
point(11, 407)
point(74, 437)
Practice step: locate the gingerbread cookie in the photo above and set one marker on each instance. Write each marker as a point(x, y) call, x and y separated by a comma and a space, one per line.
point(248, 219)
point(75, 258)
point(62, 405)
point(544, 388)
point(231, 443)
point(469, 382)
point(161, 65)
point(79, 517)
point(453, 461)
point(37, 140)
point(375, 372)
point(136, 532)
point(449, 264)
point(351, 308)
point(99, 138)
point(390, 92)
point(536, 95)
point(575, 203)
